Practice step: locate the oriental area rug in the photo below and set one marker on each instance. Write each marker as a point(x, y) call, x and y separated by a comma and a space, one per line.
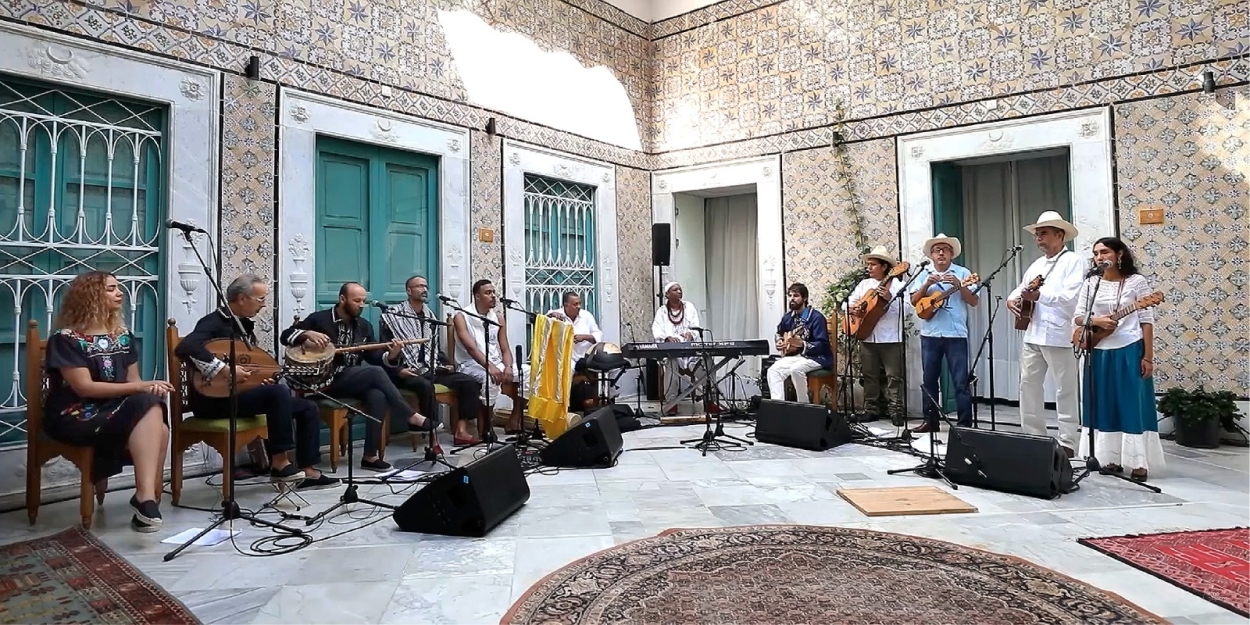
point(1213, 564)
point(70, 577)
point(803, 574)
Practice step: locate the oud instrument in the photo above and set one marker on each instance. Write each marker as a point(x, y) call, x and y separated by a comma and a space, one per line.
point(1026, 307)
point(1087, 340)
point(862, 316)
point(930, 304)
point(312, 365)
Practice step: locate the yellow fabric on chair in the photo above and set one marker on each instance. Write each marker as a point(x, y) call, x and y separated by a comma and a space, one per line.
point(551, 373)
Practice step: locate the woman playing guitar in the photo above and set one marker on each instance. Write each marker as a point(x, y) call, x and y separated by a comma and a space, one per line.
point(1121, 408)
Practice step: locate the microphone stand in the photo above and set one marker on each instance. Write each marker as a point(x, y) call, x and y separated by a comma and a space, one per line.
point(229, 506)
point(536, 434)
point(988, 339)
point(351, 495)
point(431, 456)
point(1087, 355)
point(488, 436)
point(896, 298)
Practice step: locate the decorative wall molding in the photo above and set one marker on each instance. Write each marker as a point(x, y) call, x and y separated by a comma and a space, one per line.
point(529, 159)
point(755, 171)
point(307, 115)
point(1090, 175)
point(192, 135)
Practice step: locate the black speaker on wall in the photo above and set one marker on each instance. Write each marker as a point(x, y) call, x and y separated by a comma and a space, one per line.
point(469, 500)
point(595, 441)
point(1025, 464)
point(806, 426)
point(661, 242)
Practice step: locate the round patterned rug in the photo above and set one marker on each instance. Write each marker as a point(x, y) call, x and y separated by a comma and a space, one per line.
point(804, 574)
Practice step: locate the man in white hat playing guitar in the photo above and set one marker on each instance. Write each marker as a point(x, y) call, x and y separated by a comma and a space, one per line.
point(1051, 284)
point(945, 335)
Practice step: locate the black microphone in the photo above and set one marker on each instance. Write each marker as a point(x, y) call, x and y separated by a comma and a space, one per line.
point(1098, 269)
point(1017, 248)
point(508, 302)
point(380, 304)
point(446, 300)
point(698, 329)
point(178, 225)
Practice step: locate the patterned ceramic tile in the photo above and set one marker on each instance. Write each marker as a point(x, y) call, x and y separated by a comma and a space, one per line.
point(806, 55)
point(633, 228)
point(1190, 156)
point(486, 205)
point(820, 237)
point(247, 184)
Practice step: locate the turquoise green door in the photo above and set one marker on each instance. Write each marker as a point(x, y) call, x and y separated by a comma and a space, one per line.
point(948, 217)
point(377, 223)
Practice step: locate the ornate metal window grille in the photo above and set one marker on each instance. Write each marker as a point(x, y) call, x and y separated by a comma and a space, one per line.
point(81, 189)
point(559, 243)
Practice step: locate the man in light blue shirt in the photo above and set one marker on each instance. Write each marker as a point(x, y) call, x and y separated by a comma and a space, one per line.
point(945, 335)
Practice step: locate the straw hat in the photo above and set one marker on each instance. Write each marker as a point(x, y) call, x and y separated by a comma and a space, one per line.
point(956, 248)
point(879, 253)
point(1051, 219)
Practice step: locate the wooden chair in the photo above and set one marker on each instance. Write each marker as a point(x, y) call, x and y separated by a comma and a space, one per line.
point(335, 417)
point(442, 394)
point(40, 448)
point(185, 432)
point(508, 389)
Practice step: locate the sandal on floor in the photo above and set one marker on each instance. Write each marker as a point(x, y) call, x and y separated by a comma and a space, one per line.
point(1112, 468)
point(1138, 477)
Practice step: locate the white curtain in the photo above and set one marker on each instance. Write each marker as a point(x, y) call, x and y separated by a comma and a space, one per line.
point(732, 245)
point(1000, 198)
point(732, 267)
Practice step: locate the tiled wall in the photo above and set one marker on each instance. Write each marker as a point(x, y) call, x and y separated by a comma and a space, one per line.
point(819, 230)
point(486, 205)
point(784, 66)
point(633, 226)
point(1190, 155)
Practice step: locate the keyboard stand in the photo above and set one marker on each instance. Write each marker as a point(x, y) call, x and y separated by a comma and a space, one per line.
point(710, 439)
point(700, 379)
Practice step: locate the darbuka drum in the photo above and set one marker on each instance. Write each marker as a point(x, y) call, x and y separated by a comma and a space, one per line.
point(309, 365)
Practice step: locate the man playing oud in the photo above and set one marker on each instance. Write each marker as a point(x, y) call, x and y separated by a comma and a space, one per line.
point(1047, 344)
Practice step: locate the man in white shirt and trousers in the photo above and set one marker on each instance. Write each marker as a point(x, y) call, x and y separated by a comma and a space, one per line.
point(1048, 339)
point(586, 334)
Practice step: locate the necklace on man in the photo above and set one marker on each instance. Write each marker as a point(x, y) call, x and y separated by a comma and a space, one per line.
point(676, 319)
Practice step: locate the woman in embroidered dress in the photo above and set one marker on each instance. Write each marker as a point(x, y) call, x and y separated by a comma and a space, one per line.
point(96, 397)
point(1121, 406)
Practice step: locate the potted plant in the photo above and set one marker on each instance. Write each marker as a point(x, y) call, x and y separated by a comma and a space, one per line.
point(1230, 431)
point(1196, 414)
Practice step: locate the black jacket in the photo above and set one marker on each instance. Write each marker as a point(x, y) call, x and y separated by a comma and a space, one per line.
point(193, 350)
point(323, 321)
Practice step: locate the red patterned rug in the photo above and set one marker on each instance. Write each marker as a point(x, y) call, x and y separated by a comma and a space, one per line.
point(805, 574)
point(71, 577)
point(1213, 564)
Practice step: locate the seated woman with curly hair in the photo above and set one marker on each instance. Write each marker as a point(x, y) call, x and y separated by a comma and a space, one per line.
point(96, 397)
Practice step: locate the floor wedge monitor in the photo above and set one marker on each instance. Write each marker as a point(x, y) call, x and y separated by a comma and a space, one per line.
point(1024, 464)
point(806, 426)
point(595, 441)
point(469, 500)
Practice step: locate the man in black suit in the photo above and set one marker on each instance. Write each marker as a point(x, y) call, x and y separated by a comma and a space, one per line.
point(359, 375)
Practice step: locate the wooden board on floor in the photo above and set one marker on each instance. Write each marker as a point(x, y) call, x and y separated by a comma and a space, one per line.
point(904, 500)
point(683, 418)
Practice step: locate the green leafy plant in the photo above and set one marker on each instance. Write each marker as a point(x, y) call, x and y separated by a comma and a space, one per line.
point(1226, 406)
point(1196, 406)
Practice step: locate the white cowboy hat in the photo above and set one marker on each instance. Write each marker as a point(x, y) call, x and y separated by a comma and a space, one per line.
point(956, 248)
point(879, 253)
point(1051, 219)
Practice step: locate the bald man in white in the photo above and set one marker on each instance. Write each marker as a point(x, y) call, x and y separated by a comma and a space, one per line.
point(675, 322)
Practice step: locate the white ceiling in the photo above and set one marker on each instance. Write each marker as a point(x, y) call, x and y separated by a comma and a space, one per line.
point(657, 10)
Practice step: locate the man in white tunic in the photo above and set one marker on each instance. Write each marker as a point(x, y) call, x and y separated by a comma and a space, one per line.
point(1048, 339)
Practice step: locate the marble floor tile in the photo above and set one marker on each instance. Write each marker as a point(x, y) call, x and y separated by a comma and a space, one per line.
point(362, 568)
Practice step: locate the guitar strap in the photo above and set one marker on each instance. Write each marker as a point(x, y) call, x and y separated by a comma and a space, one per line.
point(1054, 265)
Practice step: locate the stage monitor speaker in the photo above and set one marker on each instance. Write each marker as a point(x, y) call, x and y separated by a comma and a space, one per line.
point(595, 441)
point(469, 500)
point(661, 243)
point(1025, 464)
point(806, 426)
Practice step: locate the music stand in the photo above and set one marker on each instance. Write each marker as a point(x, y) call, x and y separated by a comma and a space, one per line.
point(229, 506)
